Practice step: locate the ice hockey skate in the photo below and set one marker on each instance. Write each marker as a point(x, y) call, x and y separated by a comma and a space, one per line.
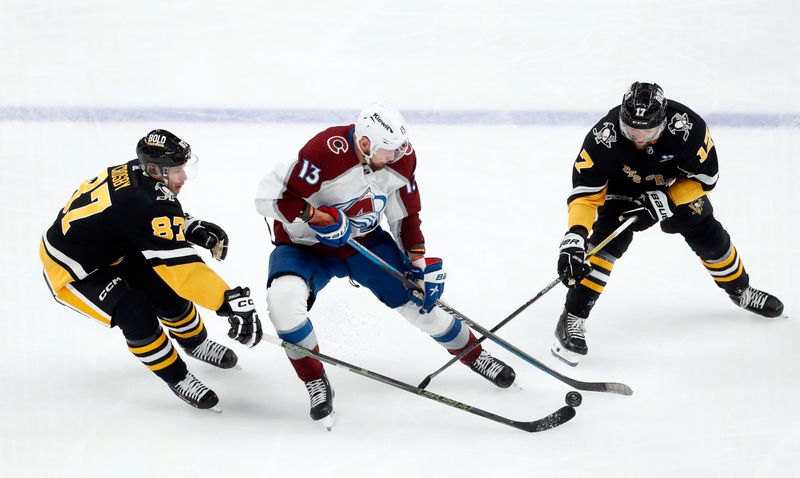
point(321, 395)
point(493, 370)
point(214, 354)
point(570, 343)
point(193, 392)
point(758, 302)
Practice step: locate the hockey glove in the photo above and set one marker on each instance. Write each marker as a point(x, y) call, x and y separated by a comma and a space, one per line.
point(649, 209)
point(207, 235)
point(431, 281)
point(337, 233)
point(572, 265)
point(242, 316)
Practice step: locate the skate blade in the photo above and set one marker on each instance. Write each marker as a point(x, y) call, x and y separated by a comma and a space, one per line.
point(236, 367)
point(328, 421)
point(215, 409)
point(568, 357)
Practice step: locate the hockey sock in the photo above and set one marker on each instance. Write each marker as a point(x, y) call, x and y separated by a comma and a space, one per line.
point(727, 270)
point(187, 328)
point(602, 263)
point(307, 368)
point(473, 354)
point(158, 354)
point(442, 327)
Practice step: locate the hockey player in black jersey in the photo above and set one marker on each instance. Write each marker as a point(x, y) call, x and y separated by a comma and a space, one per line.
point(120, 252)
point(653, 159)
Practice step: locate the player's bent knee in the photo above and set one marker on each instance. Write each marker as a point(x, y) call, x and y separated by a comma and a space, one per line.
point(135, 316)
point(287, 297)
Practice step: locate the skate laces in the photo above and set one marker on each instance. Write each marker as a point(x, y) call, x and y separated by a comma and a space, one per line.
point(486, 365)
point(576, 327)
point(209, 351)
point(317, 391)
point(191, 387)
point(753, 298)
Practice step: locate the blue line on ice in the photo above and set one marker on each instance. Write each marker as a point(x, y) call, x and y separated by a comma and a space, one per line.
point(277, 115)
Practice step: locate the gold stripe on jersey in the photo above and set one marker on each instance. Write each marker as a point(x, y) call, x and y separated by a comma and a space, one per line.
point(195, 282)
point(583, 210)
point(57, 275)
point(73, 299)
point(685, 191)
point(156, 353)
point(186, 325)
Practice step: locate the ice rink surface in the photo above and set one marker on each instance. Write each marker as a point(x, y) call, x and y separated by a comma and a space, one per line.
point(499, 96)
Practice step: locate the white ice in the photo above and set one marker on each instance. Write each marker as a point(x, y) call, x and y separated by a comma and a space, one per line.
point(714, 386)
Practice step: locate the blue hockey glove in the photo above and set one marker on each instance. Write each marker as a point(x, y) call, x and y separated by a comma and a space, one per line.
point(336, 234)
point(430, 280)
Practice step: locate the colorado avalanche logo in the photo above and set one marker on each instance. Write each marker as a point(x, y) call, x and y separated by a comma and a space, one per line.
point(337, 144)
point(680, 122)
point(365, 211)
point(606, 135)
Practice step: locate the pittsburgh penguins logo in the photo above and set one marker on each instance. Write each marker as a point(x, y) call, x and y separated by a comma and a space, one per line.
point(697, 206)
point(606, 135)
point(166, 194)
point(338, 144)
point(680, 122)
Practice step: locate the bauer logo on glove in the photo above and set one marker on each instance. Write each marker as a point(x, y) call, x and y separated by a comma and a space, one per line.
point(431, 283)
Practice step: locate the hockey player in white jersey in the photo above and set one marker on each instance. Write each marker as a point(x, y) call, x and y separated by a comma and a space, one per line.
point(339, 187)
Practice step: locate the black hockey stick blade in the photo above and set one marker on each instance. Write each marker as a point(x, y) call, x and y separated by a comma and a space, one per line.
point(559, 417)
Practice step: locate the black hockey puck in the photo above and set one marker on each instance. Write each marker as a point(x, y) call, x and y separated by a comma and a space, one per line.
point(573, 399)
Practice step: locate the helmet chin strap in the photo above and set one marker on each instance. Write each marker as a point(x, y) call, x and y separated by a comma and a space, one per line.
point(367, 157)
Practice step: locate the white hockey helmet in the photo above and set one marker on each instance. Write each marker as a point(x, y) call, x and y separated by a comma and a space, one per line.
point(385, 128)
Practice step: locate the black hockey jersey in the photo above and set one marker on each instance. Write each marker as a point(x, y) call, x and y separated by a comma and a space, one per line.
point(120, 212)
point(682, 162)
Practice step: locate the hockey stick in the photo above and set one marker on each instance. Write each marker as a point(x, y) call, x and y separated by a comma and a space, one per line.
point(559, 417)
point(595, 250)
point(611, 387)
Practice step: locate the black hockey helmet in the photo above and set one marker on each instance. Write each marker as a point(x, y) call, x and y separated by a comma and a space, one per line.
point(160, 150)
point(644, 106)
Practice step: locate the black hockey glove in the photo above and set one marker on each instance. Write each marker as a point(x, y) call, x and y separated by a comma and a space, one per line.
point(572, 265)
point(242, 315)
point(207, 235)
point(649, 209)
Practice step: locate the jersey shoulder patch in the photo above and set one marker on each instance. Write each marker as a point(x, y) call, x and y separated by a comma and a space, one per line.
point(605, 134)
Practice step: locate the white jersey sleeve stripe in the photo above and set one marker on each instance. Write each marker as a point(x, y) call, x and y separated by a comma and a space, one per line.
point(170, 254)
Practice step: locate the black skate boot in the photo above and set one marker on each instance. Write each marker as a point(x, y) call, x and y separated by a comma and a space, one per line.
point(571, 339)
point(214, 354)
point(493, 370)
point(757, 301)
point(193, 392)
point(321, 395)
